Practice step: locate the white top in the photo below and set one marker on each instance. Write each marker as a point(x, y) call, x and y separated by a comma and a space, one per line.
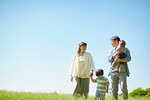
point(89, 65)
point(81, 64)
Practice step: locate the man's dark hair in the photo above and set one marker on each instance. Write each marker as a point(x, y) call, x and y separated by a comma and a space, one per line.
point(99, 72)
point(115, 38)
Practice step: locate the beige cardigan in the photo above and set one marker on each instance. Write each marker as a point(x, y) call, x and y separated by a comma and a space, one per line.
point(89, 64)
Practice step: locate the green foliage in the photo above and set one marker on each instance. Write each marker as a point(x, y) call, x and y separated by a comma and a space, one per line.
point(5, 95)
point(148, 92)
point(140, 92)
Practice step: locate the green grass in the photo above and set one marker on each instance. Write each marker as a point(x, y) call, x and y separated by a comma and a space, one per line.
point(9, 95)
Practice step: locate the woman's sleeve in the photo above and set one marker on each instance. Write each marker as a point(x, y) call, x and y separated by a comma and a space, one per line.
point(72, 65)
point(92, 63)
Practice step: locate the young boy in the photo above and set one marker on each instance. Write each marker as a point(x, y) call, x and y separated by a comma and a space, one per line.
point(120, 54)
point(102, 84)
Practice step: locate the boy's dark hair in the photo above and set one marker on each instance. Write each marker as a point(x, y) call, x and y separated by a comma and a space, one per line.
point(115, 38)
point(123, 43)
point(99, 72)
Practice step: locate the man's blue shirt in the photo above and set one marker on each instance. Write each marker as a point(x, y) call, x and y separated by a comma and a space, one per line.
point(110, 59)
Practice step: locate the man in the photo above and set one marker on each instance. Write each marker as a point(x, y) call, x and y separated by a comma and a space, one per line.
point(118, 77)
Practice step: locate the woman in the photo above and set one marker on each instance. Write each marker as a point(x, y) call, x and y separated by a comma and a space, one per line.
point(82, 65)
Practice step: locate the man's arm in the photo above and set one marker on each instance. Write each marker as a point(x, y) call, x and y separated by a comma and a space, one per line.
point(121, 60)
point(110, 56)
point(117, 53)
point(127, 59)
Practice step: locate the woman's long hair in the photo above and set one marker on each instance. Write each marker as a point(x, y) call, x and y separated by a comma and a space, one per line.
point(80, 45)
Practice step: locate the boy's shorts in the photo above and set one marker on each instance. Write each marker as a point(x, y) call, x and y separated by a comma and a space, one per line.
point(100, 95)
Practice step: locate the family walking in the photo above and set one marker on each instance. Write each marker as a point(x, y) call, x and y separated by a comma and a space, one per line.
point(82, 68)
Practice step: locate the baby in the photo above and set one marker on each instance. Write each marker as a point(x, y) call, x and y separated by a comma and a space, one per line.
point(120, 54)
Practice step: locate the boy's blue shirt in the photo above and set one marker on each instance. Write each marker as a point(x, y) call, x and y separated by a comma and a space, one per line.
point(110, 59)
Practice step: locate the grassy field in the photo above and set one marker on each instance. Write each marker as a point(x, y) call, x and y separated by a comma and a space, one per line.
point(5, 95)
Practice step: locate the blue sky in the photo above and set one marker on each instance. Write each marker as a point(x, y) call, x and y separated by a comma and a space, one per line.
point(39, 38)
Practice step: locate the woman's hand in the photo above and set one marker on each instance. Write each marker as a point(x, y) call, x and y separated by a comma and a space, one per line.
point(71, 79)
point(91, 73)
point(106, 91)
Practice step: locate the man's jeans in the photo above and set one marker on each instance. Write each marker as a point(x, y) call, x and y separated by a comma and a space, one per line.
point(119, 78)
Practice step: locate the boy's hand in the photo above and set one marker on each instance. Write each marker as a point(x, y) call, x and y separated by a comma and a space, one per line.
point(71, 79)
point(106, 91)
point(91, 74)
